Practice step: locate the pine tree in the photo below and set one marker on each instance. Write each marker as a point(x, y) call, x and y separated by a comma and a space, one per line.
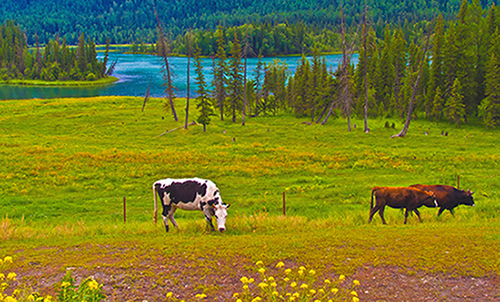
point(385, 72)
point(454, 107)
point(235, 82)
point(437, 72)
point(204, 103)
point(437, 105)
point(489, 109)
point(220, 72)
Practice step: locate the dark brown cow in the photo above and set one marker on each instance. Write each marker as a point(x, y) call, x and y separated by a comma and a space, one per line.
point(400, 197)
point(448, 197)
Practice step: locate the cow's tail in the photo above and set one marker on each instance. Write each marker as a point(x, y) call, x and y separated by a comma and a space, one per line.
point(155, 213)
point(373, 192)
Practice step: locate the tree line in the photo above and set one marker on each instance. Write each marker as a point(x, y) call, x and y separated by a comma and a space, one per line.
point(129, 21)
point(459, 77)
point(56, 61)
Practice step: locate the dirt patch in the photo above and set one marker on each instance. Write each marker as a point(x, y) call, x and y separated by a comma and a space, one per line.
point(149, 278)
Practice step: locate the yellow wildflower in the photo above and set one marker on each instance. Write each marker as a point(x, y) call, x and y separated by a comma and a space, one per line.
point(280, 264)
point(274, 284)
point(312, 292)
point(244, 280)
point(251, 280)
point(170, 294)
point(200, 296)
point(7, 259)
point(341, 277)
point(259, 263)
point(236, 295)
point(286, 279)
point(354, 293)
point(288, 271)
point(304, 286)
point(312, 272)
point(321, 291)
point(262, 270)
point(263, 285)
point(245, 287)
point(292, 298)
point(2, 276)
point(65, 284)
point(327, 281)
point(335, 290)
point(293, 284)
point(356, 282)
point(10, 299)
point(302, 268)
point(93, 284)
point(256, 299)
point(12, 276)
point(270, 279)
point(275, 293)
point(355, 299)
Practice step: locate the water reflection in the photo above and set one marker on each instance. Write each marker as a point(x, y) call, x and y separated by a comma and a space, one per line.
point(135, 72)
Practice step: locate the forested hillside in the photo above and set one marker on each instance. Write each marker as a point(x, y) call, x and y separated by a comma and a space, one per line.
point(128, 21)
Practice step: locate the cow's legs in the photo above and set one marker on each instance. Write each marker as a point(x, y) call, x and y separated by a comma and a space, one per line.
point(372, 212)
point(441, 210)
point(418, 214)
point(406, 215)
point(171, 217)
point(381, 213)
point(451, 211)
point(165, 222)
point(168, 214)
point(209, 222)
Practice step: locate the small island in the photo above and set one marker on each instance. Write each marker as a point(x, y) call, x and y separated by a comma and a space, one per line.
point(57, 64)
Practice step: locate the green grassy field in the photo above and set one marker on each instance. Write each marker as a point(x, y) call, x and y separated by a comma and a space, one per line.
point(67, 164)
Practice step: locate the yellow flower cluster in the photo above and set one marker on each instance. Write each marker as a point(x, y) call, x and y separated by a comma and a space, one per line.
point(299, 285)
point(17, 295)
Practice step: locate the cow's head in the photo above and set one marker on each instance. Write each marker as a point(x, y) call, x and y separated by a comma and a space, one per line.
point(220, 213)
point(430, 200)
point(467, 199)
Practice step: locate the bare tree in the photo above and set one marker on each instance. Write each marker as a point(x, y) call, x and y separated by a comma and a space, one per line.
point(188, 63)
point(414, 92)
point(163, 52)
point(365, 33)
point(245, 78)
point(347, 53)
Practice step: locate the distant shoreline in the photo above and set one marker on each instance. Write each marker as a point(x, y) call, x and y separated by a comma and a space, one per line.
point(24, 82)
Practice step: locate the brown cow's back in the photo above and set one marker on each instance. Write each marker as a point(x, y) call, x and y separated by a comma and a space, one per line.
point(399, 197)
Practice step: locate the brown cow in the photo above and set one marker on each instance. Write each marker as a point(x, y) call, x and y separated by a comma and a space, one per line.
point(448, 197)
point(400, 197)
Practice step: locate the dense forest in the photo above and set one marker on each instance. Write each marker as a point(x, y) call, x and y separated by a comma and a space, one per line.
point(459, 77)
point(56, 61)
point(129, 21)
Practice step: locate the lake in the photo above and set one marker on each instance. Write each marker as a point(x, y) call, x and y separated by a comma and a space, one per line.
point(135, 72)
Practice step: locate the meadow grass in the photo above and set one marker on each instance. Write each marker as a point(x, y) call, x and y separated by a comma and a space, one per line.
point(67, 164)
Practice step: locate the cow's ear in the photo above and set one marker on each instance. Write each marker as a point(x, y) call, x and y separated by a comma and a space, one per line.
point(227, 206)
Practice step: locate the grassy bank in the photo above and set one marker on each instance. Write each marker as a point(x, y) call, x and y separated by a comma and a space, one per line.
point(99, 82)
point(67, 164)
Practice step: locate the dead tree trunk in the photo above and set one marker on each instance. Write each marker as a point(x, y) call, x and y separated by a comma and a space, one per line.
point(365, 33)
point(164, 54)
point(187, 97)
point(414, 92)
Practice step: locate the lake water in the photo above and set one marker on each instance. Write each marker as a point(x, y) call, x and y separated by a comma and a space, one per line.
point(135, 72)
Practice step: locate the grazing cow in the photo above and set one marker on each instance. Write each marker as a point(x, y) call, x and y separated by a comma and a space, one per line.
point(190, 194)
point(400, 197)
point(448, 197)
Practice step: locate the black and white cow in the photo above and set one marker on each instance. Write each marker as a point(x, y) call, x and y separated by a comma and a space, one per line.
point(190, 194)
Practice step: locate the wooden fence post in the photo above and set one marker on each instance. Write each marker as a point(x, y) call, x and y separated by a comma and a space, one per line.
point(284, 204)
point(124, 210)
